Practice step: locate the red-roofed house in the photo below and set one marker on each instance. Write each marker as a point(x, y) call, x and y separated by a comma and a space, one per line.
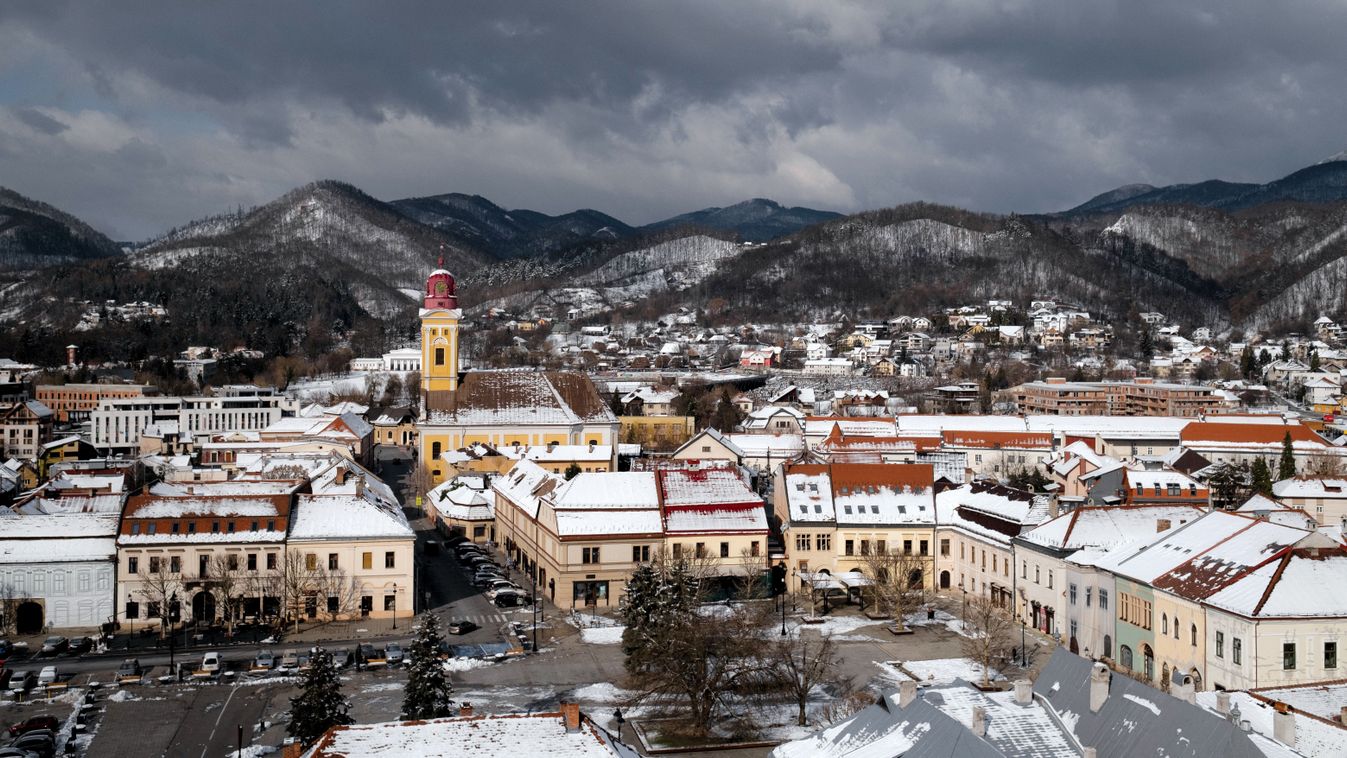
point(1233, 442)
point(998, 454)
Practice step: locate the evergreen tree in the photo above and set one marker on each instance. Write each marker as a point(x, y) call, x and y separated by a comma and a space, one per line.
point(1247, 362)
point(1145, 348)
point(1262, 477)
point(572, 471)
point(428, 691)
point(1286, 468)
point(319, 705)
point(1314, 360)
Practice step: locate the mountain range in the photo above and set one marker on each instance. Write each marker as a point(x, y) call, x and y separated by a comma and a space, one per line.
point(327, 264)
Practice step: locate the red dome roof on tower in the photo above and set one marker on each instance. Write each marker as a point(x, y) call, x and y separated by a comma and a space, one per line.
point(440, 289)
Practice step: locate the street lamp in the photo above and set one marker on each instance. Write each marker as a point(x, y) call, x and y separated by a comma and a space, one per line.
point(1023, 655)
point(395, 605)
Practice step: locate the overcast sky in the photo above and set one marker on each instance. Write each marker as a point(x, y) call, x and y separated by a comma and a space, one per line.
point(138, 116)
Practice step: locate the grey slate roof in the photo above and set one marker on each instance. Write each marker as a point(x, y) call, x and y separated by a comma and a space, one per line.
point(1136, 719)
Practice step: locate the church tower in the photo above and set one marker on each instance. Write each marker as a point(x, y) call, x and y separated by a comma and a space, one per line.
point(439, 340)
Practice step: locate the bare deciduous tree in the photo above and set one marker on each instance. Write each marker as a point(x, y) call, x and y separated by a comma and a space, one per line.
point(1325, 467)
point(899, 582)
point(988, 634)
point(801, 663)
point(226, 582)
point(160, 585)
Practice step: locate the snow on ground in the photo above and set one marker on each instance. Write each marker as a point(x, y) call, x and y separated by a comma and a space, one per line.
point(383, 687)
point(587, 620)
point(465, 664)
point(913, 620)
point(838, 627)
point(940, 670)
point(608, 635)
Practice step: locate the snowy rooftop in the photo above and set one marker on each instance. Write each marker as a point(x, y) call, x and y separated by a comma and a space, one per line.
point(177, 507)
point(222, 489)
point(524, 484)
point(607, 522)
point(1310, 488)
point(708, 486)
point(558, 453)
point(347, 517)
point(625, 489)
point(479, 736)
point(524, 397)
point(58, 526)
point(1104, 527)
point(716, 520)
point(1301, 583)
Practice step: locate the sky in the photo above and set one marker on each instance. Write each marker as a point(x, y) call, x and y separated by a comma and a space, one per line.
point(139, 116)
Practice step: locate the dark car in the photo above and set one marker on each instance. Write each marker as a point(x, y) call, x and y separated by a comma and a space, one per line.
point(35, 723)
point(54, 645)
point(22, 681)
point(81, 645)
point(512, 600)
point(40, 741)
point(130, 667)
point(461, 627)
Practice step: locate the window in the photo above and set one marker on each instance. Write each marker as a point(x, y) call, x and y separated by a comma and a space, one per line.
point(191, 527)
point(435, 451)
point(1088, 591)
point(1330, 655)
point(132, 610)
point(700, 550)
point(1192, 635)
point(310, 561)
point(232, 561)
point(907, 547)
point(390, 559)
point(152, 610)
point(849, 548)
point(640, 553)
point(83, 583)
point(1038, 576)
point(332, 561)
point(678, 550)
point(133, 565)
point(1164, 624)
point(367, 561)
point(944, 548)
point(1073, 629)
point(390, 602)
point(962, 555)
point(1288, 656)
point(1071, 593)
point(135, 528)
point(1049, 580)
point(254, 526)
point(154, 564)
point(802, 542)
point(231, 527)
point(252, 561)
point(1103, 599)
point(333, 604)
point(175, 564)
point(271, 525)
point(271, 561)
point(176, 527)
point(215, 527)
point(1220, 644)
point(58, 583)
point(1236, 647)
point(589, 555)
point(925, 547)
point(724, 550)
point(823, 542)
point(754, 549)
point(439, 357)
point(865, 547)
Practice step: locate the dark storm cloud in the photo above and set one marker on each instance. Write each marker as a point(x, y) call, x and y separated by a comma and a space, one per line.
point(141, 115)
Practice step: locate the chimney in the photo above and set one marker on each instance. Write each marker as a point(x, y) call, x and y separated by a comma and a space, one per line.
point(1162, 525)
point(907, 692)
point(360, 486)
point(1054, 507)
point(1024, 691)
point(1223, 702)
point(1342, 715)
point(1089, 752)
point(570, 716)
point(979, 721)
point(1284, 725)
point(465, 710)
point(1182, 688)
point(71, 355)
point(1099, 677)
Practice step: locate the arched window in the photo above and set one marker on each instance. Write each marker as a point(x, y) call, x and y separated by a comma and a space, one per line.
point(1194, 635)
point(1125, 657)
point(1164, 621)
point(1108, 646)
point(435, 451)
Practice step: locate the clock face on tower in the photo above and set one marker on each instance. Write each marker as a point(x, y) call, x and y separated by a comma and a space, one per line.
point(441, 287)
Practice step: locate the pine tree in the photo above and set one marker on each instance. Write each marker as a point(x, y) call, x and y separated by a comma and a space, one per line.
point(428, 688)
point(1262, 477)
point(319, 705)
point(1286, 468)
point(1247, 362)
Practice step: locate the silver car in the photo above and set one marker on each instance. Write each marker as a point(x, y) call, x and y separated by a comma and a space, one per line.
point(393, 653)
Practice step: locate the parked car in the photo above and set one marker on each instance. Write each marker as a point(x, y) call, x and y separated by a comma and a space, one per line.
point(302, 662)
point(500, 585)
point(130, 667)
point(81, 645)
point(290, 660)
point(36, 722)
point(511, 600)
point(210, 663)
point(48, 676)
point(265, 660)
point(393, 653)
point(462, 626)
point(17, 752)
point(55, 645)
point(40, 742)
point(482, 581)
point(22, 681)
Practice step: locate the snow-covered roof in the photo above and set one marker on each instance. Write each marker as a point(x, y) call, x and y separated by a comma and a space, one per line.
point(507, 736)
point(524, 484)
point(715, 520)
point(1302, 583)
point(325, 517)
point(1310, 488)
point(176, 507)
point(1107, 526)
point(553, 398)
point(164, 538)
point(228, 488)
point(1313, 738)
point(460, 499)
point(607, 523)
point(704, 487)
point(558, 453)
point(616, 490)
point(861, 493)
point(762, 445)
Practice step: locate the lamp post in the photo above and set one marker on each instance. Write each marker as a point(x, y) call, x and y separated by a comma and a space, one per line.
point(1023, 659)
point(395, 605)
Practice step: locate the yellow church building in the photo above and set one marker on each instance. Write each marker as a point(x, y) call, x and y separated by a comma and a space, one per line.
point(498, 408)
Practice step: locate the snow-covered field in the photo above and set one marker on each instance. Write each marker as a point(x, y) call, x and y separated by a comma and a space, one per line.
point(940, 670)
